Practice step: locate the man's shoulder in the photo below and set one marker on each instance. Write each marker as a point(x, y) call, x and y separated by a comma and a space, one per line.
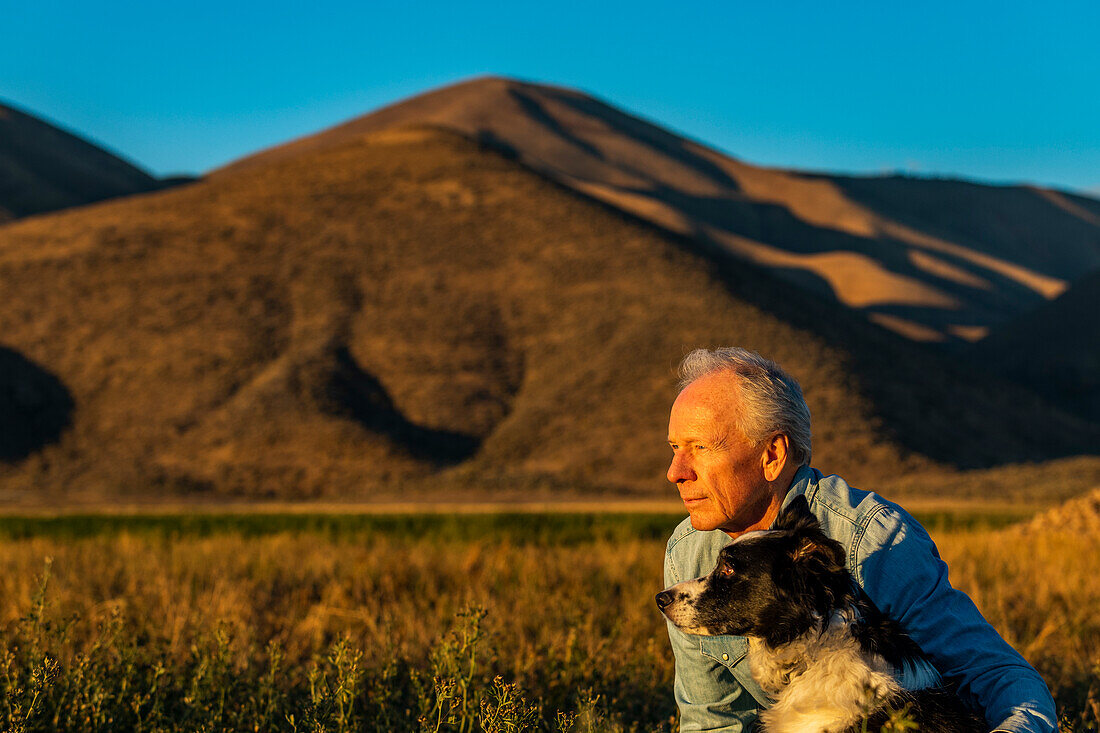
point(852, 516)
point(831, 497)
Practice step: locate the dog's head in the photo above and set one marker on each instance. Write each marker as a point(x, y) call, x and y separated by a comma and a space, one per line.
point(774, 585)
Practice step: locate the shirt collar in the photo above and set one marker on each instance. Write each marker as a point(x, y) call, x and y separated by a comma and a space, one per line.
point(803, 484)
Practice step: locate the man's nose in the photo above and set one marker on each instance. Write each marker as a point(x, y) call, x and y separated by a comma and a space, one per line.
point(679, 470)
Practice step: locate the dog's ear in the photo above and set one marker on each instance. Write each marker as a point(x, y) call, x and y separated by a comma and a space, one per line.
point(819, 560)
point(805, 549)
point(797, 517)
point(819, 583)
point(819, 550)
point(812, 544)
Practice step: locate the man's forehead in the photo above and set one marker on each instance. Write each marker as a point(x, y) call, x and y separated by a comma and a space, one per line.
point(693, 423)
point(708, 401)
point(717, 388)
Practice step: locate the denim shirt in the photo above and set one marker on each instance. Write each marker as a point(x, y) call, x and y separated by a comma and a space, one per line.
point(895, 561)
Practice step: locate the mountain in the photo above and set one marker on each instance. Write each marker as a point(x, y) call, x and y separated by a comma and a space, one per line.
point(933, 260)
point(1055, 348)
point(408, 312)
point(43, 168)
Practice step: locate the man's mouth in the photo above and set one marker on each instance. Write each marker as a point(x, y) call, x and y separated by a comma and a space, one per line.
point(693, 500)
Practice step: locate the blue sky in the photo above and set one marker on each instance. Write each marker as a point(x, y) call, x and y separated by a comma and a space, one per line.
point(994, 91)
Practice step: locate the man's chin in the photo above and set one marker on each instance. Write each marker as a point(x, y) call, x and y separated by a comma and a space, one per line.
point(701, 522)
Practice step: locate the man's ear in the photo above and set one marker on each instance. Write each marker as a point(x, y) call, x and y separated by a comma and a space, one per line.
point(775, 456)
point(797, 517)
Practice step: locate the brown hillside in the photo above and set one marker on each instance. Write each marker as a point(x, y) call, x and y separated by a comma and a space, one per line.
point(43, 168)
point(934, 260)
point(407, 311)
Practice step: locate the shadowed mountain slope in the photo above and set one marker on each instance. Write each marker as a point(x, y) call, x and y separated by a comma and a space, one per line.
point(409, 311)
point(1056, 348)
point(43, 168)
point(934, 260)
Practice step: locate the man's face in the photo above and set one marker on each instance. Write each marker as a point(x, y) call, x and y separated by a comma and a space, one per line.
point(717, 470)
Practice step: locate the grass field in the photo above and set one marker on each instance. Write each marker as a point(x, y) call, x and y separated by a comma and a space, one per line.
point(496, 622)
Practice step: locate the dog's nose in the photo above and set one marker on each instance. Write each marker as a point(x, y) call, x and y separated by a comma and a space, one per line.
point(664, 598)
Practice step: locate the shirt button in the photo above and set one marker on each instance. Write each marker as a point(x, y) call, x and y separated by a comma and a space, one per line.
point(726, 657)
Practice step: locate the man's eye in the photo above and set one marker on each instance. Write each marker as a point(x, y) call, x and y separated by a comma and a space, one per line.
point(700, 448)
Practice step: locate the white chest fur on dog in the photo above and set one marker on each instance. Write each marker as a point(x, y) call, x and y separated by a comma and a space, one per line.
point(822, 682)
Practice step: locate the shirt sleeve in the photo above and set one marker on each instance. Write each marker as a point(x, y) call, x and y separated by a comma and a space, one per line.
point(900, 568)
point(707, 694)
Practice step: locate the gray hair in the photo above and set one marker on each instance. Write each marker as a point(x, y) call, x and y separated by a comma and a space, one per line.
point(772, 399)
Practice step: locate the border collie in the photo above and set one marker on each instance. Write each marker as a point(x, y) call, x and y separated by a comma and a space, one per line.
point(817, 645)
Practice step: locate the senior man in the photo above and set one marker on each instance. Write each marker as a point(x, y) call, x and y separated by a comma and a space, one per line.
point(740, 436)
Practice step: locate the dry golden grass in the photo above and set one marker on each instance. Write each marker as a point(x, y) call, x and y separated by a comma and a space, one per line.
point(562, 616)
point(1041, 592)
point(561, 620)
point(304, 592)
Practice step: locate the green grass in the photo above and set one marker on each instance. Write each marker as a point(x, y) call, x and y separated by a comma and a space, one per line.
point(558, 528)
point(523, 528)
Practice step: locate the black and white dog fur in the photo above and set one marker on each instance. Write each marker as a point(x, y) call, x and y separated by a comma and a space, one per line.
point(817, 645)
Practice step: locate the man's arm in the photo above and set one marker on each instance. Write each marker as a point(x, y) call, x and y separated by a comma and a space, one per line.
point(901, 570)
point(708, 695)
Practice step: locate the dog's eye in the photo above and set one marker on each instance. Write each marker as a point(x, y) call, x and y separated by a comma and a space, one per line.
point(726, 569)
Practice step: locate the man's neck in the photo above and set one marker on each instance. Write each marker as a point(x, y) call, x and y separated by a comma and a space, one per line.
point(769, 512)
point(778, 490)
